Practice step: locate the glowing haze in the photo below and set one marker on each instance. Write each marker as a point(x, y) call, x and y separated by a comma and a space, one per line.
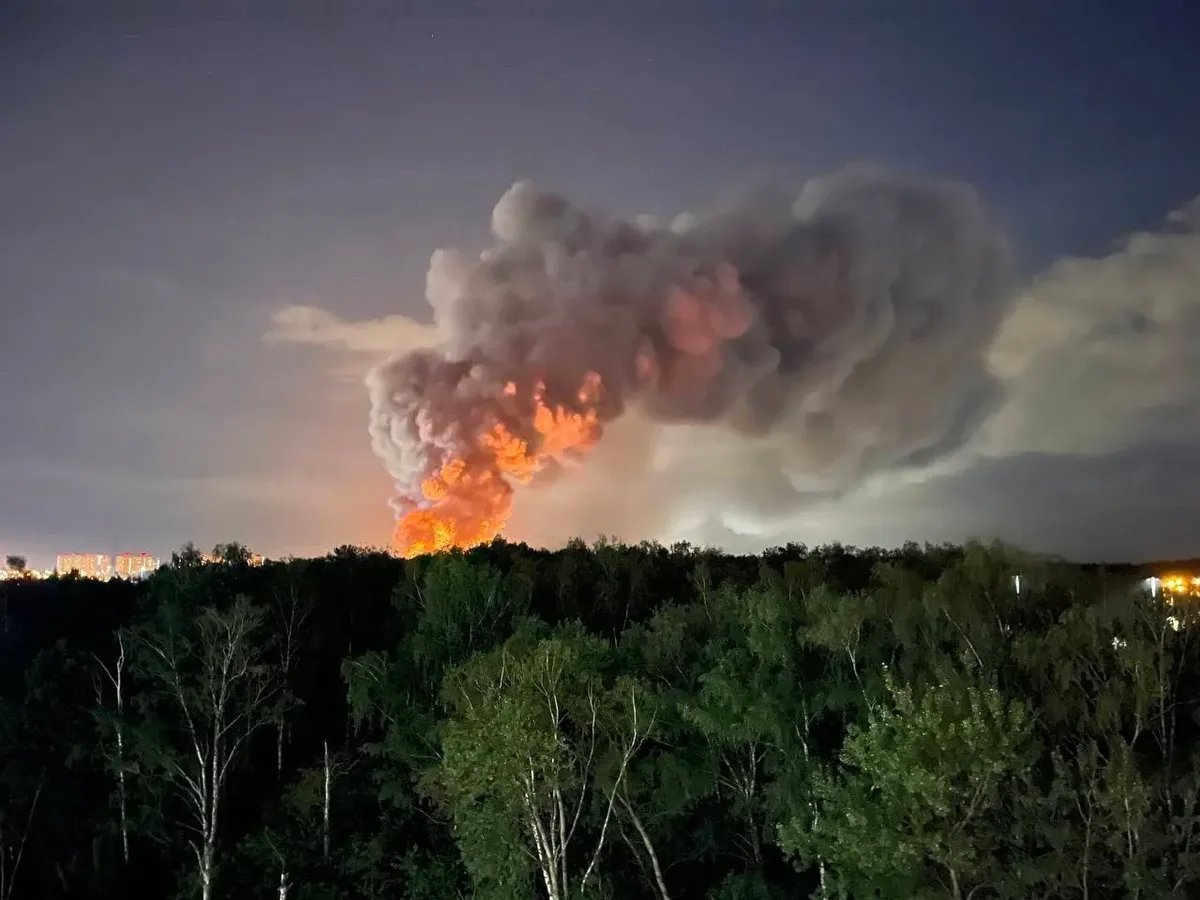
point(837, 333)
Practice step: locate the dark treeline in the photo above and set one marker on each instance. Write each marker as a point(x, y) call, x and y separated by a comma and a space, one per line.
point(606, 721)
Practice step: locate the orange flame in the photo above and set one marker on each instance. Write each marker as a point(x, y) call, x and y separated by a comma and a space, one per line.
point(1181, 585)
point(468, 499)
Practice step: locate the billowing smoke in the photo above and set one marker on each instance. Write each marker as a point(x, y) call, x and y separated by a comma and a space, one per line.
point(845, 328)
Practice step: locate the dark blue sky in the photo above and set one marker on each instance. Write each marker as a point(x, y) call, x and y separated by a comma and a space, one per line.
point(167, 181)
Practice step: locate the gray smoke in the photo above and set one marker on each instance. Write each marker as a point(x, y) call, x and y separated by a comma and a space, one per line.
point(838, 333)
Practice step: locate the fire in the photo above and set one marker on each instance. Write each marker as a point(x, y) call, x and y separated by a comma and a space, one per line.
point(1181, 585)
point(509, 453)
point(468, 504)
point(467, 500)
point(563, 431)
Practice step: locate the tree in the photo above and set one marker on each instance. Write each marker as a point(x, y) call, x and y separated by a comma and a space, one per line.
point(538, 738)
point(683, 724)
point(216, 691)
point(20, 793)
point(232, 554)
point(13, 837)
point(112, 725)
point(464, 607)
point(734, 709)
point(187, 557)
point(1122, 809)
point(292, 610)
point(310, 798)
point(919, 805)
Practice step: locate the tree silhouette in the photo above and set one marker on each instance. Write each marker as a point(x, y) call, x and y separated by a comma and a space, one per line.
point(634, 723)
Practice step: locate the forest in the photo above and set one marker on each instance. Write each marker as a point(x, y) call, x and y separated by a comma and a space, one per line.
point(600, 721)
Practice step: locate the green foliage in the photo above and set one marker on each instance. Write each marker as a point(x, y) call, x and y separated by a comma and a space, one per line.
point(533, 724)
point(605, 721)
point(742, 886)
point(918, 802)
point(464, 607)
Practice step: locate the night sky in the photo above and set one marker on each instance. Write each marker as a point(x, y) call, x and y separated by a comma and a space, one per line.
point(174, 186)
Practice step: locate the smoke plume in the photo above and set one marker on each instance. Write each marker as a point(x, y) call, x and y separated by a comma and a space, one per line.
point(831, 335)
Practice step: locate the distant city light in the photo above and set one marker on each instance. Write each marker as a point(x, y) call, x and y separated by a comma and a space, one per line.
point(85, 565)
point(135, 565)
point(131, 565)
point(7, 574)
point(253, 559)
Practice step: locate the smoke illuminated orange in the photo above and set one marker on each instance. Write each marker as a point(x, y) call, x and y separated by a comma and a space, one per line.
point(468, 499)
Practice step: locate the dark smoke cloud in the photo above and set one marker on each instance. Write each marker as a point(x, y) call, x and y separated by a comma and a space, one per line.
point(831, 335)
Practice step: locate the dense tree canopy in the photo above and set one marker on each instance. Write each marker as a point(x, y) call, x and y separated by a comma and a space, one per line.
point(605, 721)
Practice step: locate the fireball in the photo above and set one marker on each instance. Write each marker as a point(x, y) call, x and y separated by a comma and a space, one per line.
point(467, 499)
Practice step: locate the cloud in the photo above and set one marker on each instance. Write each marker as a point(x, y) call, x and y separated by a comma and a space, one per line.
point(1123, 506)
point(797, 343)
point(1099, 364)
point(1102, 353)
point(1099, 360)
point(376, 337)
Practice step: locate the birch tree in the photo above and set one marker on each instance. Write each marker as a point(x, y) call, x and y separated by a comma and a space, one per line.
point(111, 718)
point(535, 758)
point(291, 612)
point(16, 824)
point(20, 795)
point(333, 767)
point(214, 691)
point(310, 799)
